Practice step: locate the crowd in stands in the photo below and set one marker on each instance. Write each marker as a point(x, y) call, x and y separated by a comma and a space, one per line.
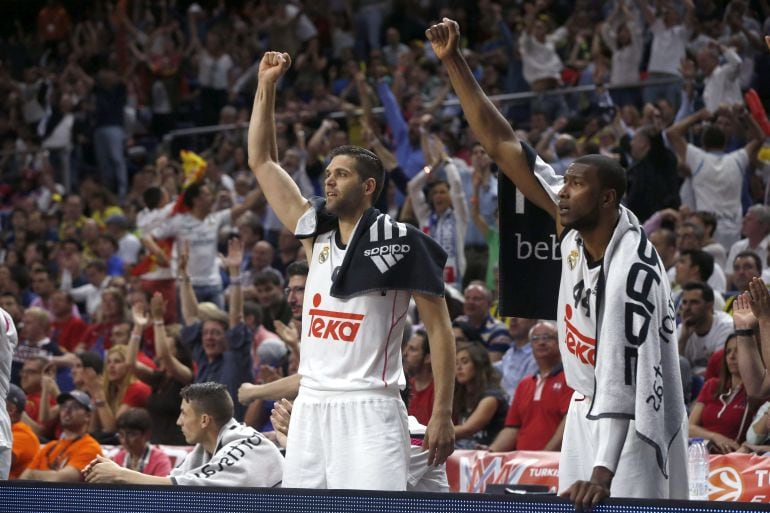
point(132, 278)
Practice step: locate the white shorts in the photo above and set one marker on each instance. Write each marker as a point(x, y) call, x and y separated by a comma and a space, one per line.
point(424, 477)
point(5, 462)
point(637, 475)
point(353, 440)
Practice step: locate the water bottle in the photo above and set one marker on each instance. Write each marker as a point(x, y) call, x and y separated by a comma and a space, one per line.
point(698, 469)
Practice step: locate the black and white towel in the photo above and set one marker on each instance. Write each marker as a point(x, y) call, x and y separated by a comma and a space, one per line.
point(382, 254)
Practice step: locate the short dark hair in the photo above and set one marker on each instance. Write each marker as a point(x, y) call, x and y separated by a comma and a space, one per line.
point(368, 165)
point(91, 360)
point(425, 344)
point(708, 219)
point(109, 238)
point(297, 268)
point(706, 291)
point(210, 398)
point(191, 192)
point(98, 265)
point(611, 174)
point(704, 261)
point(713, 138)
point(152, 197)
point(750, 254)
point(136, 419)
point(252, 308)
point(266, 278)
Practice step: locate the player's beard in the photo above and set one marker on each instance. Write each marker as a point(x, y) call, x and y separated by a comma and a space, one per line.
point(346, 203)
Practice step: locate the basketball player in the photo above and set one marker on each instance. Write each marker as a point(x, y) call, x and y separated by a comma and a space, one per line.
point(8, 341)
point(618, 439)
point(350, 427)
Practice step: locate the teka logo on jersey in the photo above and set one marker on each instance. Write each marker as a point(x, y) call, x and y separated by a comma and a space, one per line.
point(329, 325)
point(582, 346)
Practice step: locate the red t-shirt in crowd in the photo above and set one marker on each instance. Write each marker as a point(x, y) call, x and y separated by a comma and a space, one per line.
point(724, 415)
point(714, 364)
point(538, 407)
point(68, 334)
point(421, 402)
point(137, 394)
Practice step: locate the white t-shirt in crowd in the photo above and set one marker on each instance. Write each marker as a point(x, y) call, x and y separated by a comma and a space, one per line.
point(699, 348)
point(668, 47)
point(202, 236)
point(715, 184)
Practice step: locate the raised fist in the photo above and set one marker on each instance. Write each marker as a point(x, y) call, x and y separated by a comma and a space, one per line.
point(273, 65)
point(444, 38)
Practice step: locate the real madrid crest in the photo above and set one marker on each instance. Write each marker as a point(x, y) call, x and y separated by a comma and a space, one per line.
point(324, 255)
point(572, 259)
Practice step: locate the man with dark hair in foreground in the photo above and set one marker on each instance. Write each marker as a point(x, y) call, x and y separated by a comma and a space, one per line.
point(226, 453)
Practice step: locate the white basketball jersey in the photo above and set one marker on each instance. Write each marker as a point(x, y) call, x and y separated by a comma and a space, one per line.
point(348, 344)
point(577, 317)
point(8, 341)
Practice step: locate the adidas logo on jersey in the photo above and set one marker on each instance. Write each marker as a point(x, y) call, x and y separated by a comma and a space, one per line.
point(386, 255)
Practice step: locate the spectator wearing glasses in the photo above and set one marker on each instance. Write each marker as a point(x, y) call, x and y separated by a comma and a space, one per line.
point(63, 459)
point(535, 420)
point(136, 453)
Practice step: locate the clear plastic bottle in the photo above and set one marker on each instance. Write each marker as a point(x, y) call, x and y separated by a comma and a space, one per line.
point(698, 469)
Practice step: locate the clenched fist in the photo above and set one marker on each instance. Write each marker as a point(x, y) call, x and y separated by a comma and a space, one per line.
point(444, 38)
point(273, 66)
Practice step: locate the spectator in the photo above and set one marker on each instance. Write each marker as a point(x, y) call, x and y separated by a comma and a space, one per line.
point(722, 84)
point(67, 330)
point(112, 311)
point(517, 362)
point(199, 230)
point(158, 274)
point(714, 179)
point(25, 442)
point(107, 250)
point(260, 259)
point(91, 292)
point(34, 341)
point(62, 460)
point(128, 244)
point(444, 215)
point(702, 330)
point(271, 299)
point(708, 221)
point(110, 97)
point(43, 285)
point(493, 333)
point(420, 375)
point(119, 392)
point(482, 237)
point(722, 410)
point(40, 388)
point(226, 453)
point(746, 265)
point(136, 453)
point(652, 180)
point(756, 230)
point(669, 41)
point(173, 372)
point(623, 36)
point(690, 237)
point(220, 344)
point(535, 420)
point(480, 405)
point(664, 241)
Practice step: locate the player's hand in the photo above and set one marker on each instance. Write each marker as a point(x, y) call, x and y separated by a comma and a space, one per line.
point(444, 37)
point(587, 494)
point(439, 439)
point(272, 66)
point(102, 470)
point(280, 417)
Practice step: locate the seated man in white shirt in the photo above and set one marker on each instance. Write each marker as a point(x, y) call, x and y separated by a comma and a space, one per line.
point(702, 330)
point(226, 453)
point(755, 227)
point(693, 265)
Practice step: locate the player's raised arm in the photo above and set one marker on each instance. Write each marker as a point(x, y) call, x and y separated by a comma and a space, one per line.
point(492, 129)
point(279, 189)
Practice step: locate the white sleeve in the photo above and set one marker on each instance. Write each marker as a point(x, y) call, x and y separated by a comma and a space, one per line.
point(419, 203)
point(752, 437)
point(247, 462)
point(610, 438)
